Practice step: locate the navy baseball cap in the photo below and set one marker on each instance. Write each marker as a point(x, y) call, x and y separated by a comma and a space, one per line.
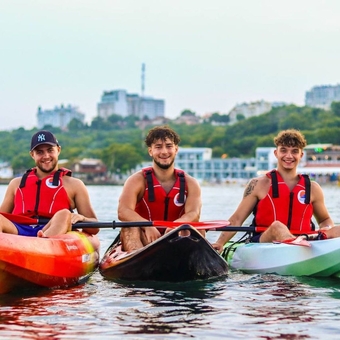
point(43, 137)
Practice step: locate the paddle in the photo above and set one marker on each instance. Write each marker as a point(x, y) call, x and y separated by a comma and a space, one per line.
point(302, 239)
point(217, 225)
point(113, 224)
point(207, 225)
point(296, 241)
point(22, 219)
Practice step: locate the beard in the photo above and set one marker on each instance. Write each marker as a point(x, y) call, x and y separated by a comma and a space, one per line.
point(164, 166)
point(50, 169)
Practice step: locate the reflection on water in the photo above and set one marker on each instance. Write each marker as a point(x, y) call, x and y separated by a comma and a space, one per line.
point(172, 309)
point(38, 313)
point(272, 295)
point(328, 286)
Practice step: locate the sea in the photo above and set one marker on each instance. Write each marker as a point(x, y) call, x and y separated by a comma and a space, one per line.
point(239, 306)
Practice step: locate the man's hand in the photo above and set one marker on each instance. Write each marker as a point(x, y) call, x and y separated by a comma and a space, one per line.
point(218, 247)
point(151, 233)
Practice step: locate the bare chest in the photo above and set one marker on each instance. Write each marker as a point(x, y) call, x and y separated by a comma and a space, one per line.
point(167, 185)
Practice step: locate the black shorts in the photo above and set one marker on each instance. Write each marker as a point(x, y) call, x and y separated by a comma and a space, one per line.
point(255, 238)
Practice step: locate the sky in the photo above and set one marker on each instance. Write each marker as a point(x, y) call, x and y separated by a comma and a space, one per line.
point(202, 55)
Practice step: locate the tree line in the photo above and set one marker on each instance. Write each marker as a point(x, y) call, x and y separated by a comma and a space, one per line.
point(120, 144)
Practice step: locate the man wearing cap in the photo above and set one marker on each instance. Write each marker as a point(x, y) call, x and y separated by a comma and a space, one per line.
point(46, 192)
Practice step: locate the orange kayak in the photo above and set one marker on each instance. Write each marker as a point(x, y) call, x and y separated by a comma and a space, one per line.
point(60, 261)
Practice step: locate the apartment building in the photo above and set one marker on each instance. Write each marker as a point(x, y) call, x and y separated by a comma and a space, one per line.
point(124, 104)
point(59, 116)
point(322, 96)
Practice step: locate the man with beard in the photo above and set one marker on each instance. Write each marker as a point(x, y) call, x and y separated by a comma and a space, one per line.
point(46, 192)
point(159, 192)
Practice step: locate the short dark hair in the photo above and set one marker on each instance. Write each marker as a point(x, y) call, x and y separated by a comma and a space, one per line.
point(290, 137)
point(162, 133)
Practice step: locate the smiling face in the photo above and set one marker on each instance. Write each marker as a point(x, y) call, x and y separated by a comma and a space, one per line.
point(288, 157)
point(163, 153)
point(46, 157)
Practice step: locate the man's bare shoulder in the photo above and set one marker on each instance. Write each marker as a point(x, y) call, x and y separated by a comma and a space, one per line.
point(73, 180)
point(15, 181)
point(316, 191)
point(135, 182)
point(13, 185)
point(73, 185)
point(315, 185)
point(136, 177)
point(257, 186)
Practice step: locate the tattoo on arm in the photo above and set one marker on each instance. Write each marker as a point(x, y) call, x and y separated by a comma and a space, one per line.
point(250, 187)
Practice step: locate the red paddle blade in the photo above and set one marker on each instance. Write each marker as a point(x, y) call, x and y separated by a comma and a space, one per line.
point(297, 241)
point(197, 225)
point(20, 218)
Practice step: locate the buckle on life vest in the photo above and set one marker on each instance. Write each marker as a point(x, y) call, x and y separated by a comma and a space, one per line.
point(322, 236)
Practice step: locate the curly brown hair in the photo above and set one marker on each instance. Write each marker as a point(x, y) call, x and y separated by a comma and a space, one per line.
point(162, 133)
point(290, 137)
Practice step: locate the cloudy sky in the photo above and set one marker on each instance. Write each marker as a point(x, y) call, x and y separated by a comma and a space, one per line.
point(203, 55)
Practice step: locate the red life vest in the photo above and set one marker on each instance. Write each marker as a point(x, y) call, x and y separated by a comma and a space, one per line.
point(41, 197)
point(156, 204)
point(293, 208)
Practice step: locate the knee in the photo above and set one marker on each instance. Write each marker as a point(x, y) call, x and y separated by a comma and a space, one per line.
point(277, 225)
point(2, 221)
point(64, 213)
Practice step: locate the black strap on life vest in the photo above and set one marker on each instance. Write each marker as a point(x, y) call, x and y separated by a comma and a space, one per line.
point(56, 176)
point(151, 192)
point(307, 186)
point(275, 186)
point(181, 187)
point(24, 178)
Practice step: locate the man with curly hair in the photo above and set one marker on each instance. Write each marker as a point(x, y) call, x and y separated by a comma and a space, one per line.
point(158, 193)
point(283, 202)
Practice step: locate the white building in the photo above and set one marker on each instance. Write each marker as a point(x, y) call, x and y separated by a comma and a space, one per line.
point(6, 171)
point(265, 160)
point(59, 117)
point(121, 103)
point(198, 163)
point(322, 96)
point(249, 110)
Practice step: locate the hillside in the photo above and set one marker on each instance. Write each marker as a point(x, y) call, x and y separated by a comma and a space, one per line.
point(123, 148)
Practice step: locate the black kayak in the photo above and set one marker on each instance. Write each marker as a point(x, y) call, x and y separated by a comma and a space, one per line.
point(183, 254)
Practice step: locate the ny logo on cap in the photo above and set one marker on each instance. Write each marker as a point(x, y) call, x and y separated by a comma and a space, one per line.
point(41, 138)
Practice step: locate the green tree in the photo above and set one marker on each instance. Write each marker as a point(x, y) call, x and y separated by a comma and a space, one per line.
point(98, 123)
point(240, 117)
point(218, 118)
point(188, 112)
point(75, 125)
point(122, 157)
point(335, 107)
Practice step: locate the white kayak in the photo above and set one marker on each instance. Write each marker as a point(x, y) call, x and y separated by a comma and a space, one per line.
point(321, 259)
